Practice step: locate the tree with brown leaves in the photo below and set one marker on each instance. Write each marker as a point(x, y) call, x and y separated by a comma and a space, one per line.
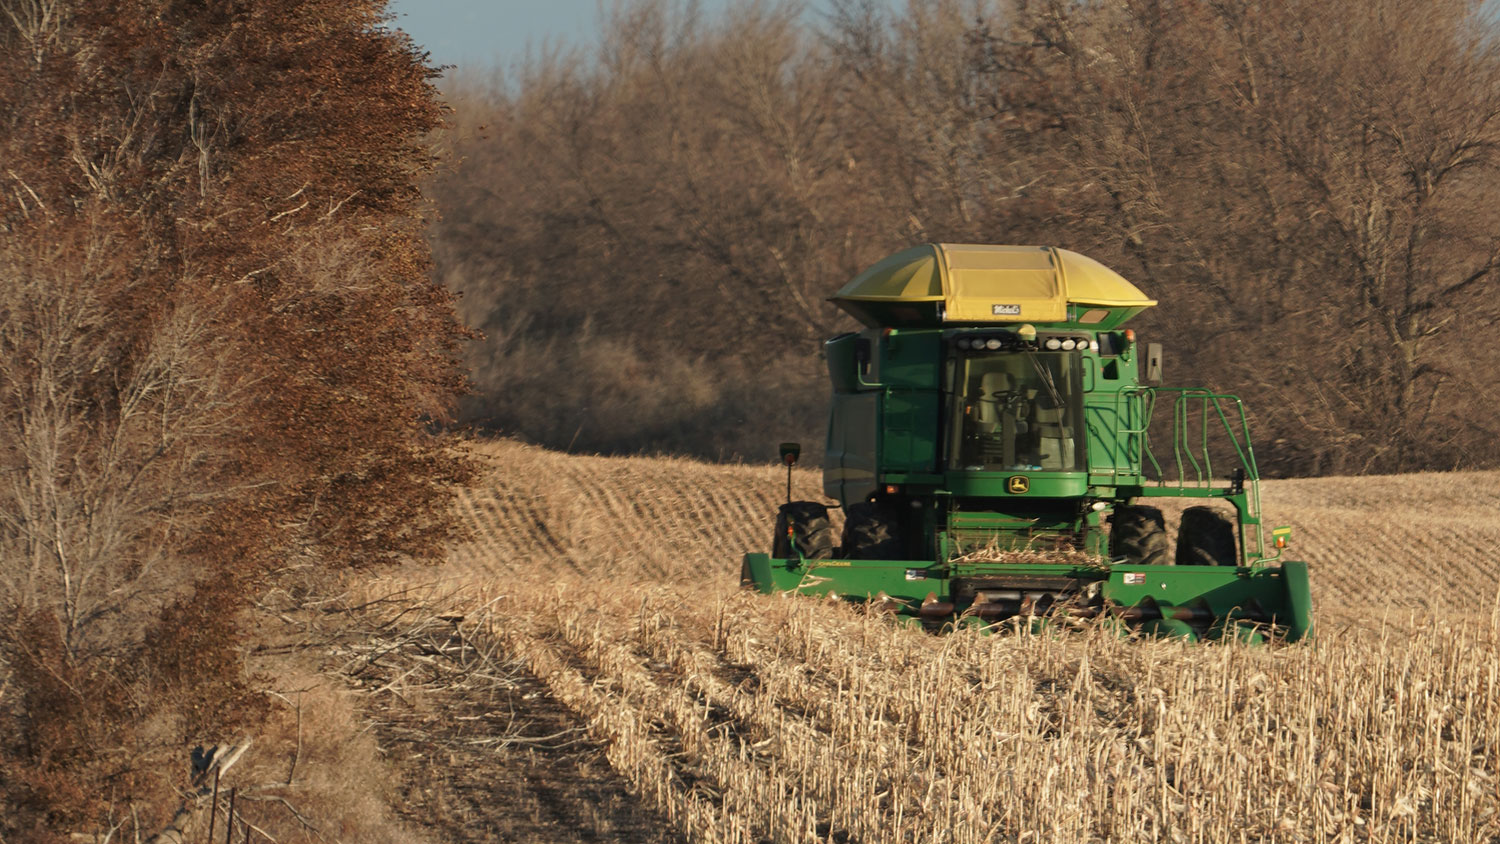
point(219, 357)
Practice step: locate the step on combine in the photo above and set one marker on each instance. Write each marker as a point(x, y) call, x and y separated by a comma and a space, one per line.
point(990, 444)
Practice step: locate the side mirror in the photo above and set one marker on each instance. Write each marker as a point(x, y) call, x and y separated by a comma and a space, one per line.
point(790, 452)
point(1153, 363)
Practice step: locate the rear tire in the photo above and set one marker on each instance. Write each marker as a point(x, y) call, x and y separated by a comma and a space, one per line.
point(870, 533)
point(1138, 535)
point(1206, 538)
point(810, 533)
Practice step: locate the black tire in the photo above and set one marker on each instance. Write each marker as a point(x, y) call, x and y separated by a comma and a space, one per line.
point(803, 525)
point(1206, 538)
point(871, 532)
point(1138, 536)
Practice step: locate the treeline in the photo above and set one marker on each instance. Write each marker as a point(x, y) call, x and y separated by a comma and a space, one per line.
point(220, 350)
point(646, 231)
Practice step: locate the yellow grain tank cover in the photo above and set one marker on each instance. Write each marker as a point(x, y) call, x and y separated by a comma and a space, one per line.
point(979, 283)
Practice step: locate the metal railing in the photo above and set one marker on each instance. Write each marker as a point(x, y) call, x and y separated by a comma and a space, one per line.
point(1207, 428)
point(1194, 410)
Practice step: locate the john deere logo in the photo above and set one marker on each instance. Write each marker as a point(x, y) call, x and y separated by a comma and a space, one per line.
point(1017, 484)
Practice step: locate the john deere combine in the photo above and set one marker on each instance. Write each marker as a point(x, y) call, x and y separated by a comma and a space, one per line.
point(990, 444)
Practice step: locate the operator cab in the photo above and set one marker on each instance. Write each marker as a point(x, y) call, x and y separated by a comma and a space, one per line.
point(1014, 409)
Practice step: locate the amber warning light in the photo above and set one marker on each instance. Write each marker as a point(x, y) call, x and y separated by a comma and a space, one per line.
point(1281, 536)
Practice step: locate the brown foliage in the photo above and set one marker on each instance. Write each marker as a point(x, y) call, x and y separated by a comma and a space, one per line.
point(77, 714)
point(1303, 185)
point(219, 352)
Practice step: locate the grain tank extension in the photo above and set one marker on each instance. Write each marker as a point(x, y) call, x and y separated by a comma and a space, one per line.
point(990, 443)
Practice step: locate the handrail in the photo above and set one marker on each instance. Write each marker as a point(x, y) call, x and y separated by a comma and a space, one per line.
point(1191, 459)
point(1210, 407)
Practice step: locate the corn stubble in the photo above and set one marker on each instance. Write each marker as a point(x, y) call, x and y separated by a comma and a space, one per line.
point(752, 718)
point(748, 719)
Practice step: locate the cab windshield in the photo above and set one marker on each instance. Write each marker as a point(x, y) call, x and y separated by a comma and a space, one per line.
point(1016, 410)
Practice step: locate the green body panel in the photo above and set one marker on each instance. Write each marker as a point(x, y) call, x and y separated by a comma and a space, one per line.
point(1024, 438)
point(1112, 416)
point(909, 410)
point(908, 444)
point(851, 448)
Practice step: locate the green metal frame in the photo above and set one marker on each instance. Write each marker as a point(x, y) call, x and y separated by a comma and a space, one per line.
point(1230, 595)
point(1190, 474)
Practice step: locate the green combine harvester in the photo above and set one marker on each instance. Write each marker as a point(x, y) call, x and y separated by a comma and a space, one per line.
point(989, 422)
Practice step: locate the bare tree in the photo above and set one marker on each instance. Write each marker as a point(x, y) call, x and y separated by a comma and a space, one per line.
point(107, 471)
point(1297, 174)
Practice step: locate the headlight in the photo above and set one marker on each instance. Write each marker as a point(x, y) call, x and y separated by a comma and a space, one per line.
point(993, 344)
point(1068, 344)
point(1053, 344)
point(963, 343)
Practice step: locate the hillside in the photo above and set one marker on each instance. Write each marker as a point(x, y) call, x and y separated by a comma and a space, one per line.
point(1375, 544)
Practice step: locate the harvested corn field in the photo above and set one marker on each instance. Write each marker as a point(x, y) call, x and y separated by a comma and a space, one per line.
point(609, 585)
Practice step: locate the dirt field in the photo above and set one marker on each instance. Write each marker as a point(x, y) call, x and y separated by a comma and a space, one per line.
point(628, 691)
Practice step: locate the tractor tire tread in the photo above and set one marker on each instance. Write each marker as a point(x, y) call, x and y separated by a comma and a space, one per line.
point(870, 533)
point(811, 532)
point(1205, 537)
point(1138, 535)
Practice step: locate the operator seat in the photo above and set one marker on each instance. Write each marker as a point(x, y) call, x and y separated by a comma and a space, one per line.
point(1055, 442)
point(996, 422)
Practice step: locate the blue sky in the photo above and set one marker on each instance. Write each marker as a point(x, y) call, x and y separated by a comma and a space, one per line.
point(478, 34)
point(475, 33)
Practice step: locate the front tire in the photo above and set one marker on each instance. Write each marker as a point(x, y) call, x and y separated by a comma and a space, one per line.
point(870, 533)
point(802, 526)
point(1138, 535)
point(1206, 538)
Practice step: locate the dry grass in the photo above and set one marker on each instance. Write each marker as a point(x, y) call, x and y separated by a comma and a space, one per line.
point(469, 730)
point(747, 718)
point(314, 775)
point(1048, 553)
